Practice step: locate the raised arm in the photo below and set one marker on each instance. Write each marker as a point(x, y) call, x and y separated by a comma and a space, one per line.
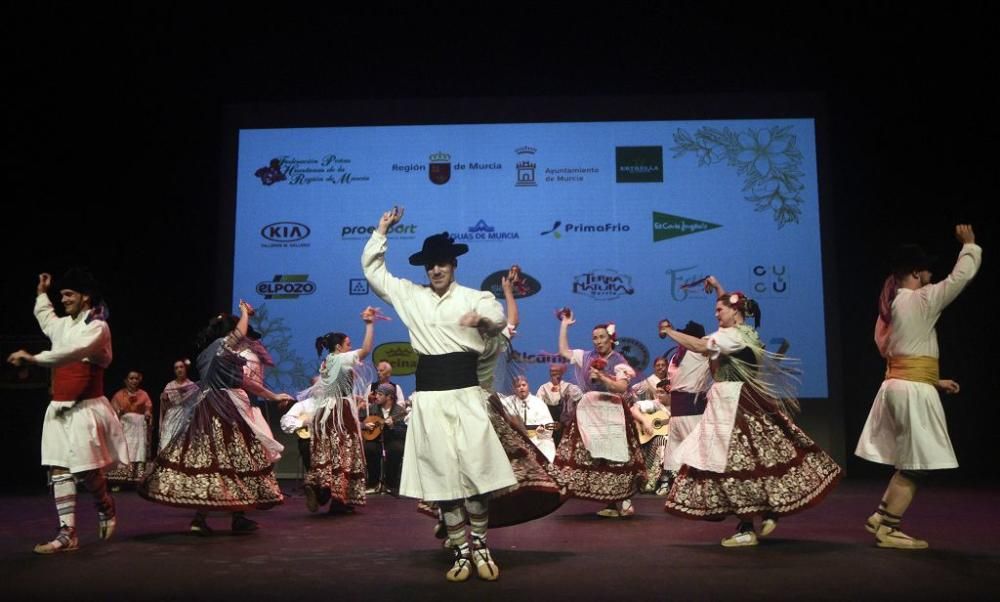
point(368, 315)
point(565, 322)
point(712, 284)
point(941, 294)
point(44, 313)
point(385, 285)
point(685, 340)
point(507, 284)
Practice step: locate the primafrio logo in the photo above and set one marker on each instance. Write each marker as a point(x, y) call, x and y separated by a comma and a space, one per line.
point(671, 226)
point(525, 167)
point(558, 228)
point(286, 286)
point(603, 285)
point(400, 356)
point(285, 234)
point(439, 170)
point(635, 164)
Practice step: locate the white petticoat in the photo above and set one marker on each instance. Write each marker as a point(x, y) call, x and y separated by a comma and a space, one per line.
point(452, 451)
point(907, 429)
point(87, 436)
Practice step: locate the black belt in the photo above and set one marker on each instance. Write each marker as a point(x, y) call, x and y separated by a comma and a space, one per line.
point(683, 403)
point(447, 372)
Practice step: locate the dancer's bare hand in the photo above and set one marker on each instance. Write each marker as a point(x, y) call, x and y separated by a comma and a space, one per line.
point(948, 386)
point(20, 357)
point(44, 282)
point(712, 284)
point(964, 234)
point(284, 400)
point(389, 219)
point(470, 319)
point(246, 308)
point(368, 315)
point(567, 317)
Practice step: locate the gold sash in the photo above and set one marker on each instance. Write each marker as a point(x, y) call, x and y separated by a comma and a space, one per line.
point(917, 368)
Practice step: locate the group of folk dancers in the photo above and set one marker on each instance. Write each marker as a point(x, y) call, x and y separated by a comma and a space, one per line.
point(475, 460)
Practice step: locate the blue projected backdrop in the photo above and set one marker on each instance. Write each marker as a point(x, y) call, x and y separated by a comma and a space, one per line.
point(610, 219)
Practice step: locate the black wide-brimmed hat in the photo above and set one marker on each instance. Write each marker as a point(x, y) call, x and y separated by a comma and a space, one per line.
point(693, 329)
point(439, 247)
point(79, 280)
point(910, 258)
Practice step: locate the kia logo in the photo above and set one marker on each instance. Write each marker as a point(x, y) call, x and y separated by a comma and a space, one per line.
point(285, 231)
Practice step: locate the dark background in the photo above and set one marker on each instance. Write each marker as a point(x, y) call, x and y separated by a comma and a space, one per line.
point(114, 144)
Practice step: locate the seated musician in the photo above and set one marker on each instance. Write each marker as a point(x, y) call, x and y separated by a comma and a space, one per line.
point(391, 417)
point(534, 415)
point(651, 415)
point(296, 421)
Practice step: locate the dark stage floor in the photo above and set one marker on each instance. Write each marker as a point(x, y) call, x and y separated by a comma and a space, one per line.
point(386, 552)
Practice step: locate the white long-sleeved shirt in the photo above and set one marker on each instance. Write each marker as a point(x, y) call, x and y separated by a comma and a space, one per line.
point(299, 415)
point(531, 410)
point(73, 339)
point(433, 321)
point(691, 375)
point(916, 312)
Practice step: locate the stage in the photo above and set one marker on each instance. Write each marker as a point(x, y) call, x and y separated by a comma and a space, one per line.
point(386, 551)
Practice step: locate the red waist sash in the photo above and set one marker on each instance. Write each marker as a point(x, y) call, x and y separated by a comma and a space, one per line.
point(77, 381)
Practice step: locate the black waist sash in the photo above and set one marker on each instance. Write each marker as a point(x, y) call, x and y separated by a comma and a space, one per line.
point(683, 403)
point(447, 372)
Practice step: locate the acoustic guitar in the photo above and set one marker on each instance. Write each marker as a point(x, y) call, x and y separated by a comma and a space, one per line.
point(375, 431)
point(661, 426)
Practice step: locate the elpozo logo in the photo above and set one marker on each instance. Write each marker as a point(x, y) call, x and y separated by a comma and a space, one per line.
point(558, 228)
point(603, 285)
point(667, 226)
point(400, 356)
point(527, 287)
point(286, 286)
point(285, 234)
point(638, 164)
point(400, 231)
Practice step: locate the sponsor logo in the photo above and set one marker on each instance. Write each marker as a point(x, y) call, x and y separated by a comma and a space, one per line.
point(270, 173)
point(285, 234)
point(537, 358)
point(401, 231)
point(558, 228)
point(408, 167)
point(769, 280)
point(482, 231)
point(603, 285)
point(686, 283)
point(525, 166)
point(635, 164)
point(400, 356)
point(635, 352)
point(328, 169)
point(527, 287)
point(671, 226)
point(439, 170)
point(358, 286)
point(286, 286)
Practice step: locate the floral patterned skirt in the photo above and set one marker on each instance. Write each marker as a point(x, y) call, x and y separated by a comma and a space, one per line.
point(599, 479)
point(126, 474)
point(652, 454)
point(772, 469)
point(337, 456)
point(216, 463)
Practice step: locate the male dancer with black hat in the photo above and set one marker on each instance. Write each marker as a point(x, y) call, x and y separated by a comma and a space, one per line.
point(453, 456)
point(81, 434)
point(906, 427)
point(690, 380)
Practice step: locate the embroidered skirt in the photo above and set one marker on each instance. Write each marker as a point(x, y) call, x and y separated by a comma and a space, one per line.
point(337, 456)
point(772, 469)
